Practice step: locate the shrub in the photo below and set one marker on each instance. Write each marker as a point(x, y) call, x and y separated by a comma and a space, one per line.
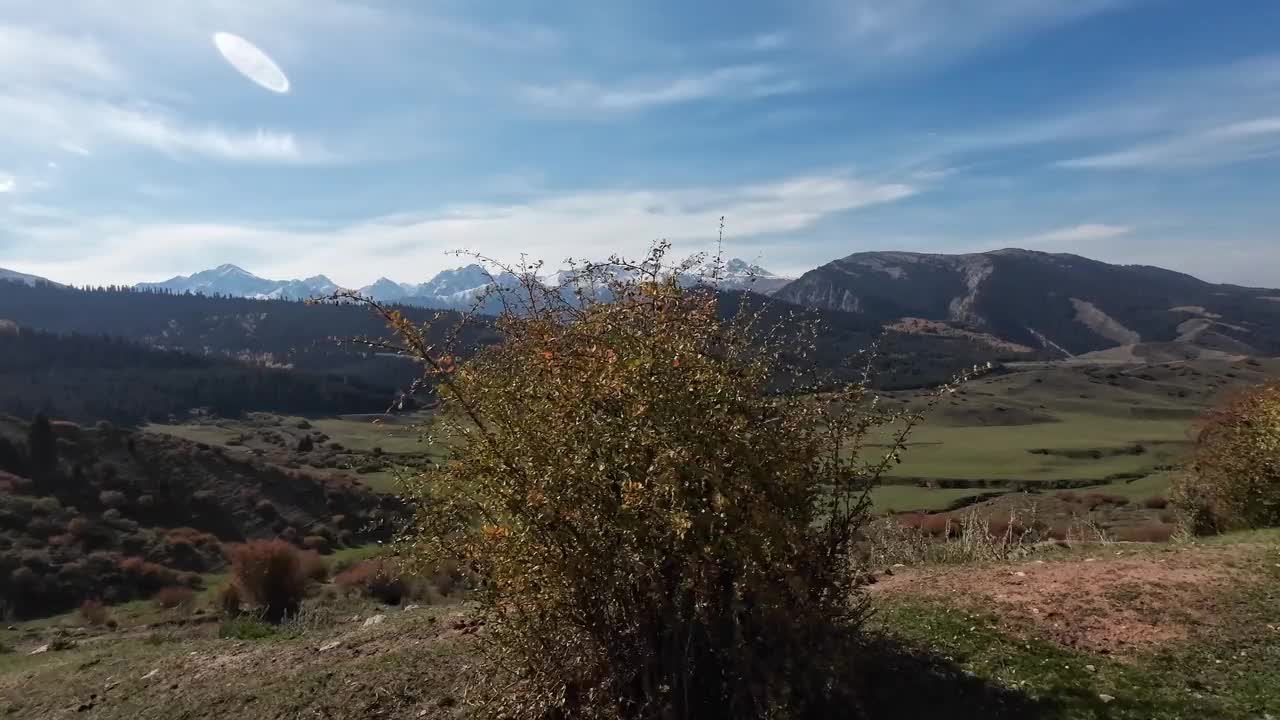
point(377, 578)
point(227, 601)
point(93, 612)
point(1156, 502)
point(1234, 480)
point(245, 628)
point(175, 596)
point(314, 567)
point(113, 499)
point(661, 526)
point(269, 574)
point(317, 543)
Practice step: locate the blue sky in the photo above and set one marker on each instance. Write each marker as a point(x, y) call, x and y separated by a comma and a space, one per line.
point(1136, 131)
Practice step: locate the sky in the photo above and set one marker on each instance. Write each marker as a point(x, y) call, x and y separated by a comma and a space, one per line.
point(149, 138)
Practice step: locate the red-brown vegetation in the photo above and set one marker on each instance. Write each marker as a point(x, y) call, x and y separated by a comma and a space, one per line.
point(93, 612)
point(1156, 502)
point(174, 597)
point(269, 574)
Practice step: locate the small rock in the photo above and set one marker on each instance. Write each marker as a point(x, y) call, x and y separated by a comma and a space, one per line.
point(898, 565)
point(1090, 559)
point(407, 608)
point(1019, 574)
point(1039, 562)
point(331, 645)
point(42, 649)
point(375, 620)
point(1090, 668)
point(12, 628)
point(1105, 698)
point(151, 674)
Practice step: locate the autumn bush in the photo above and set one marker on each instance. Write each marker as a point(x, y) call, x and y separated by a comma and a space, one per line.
point(658, 502)
point(1156, 502)
point(175, 597)
point(93, 612)
point(1234, 479)
point(377, 578)
point(270, 575)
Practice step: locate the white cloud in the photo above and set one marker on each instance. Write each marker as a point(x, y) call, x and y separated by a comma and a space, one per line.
point(1225, 144)
point(7, 183)
point(152, 130)
point(412, 246)
point(1083, 233)
point(74, 124)
point(740, 81)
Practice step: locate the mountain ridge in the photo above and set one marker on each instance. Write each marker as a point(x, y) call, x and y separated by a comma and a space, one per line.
point(1060, 302)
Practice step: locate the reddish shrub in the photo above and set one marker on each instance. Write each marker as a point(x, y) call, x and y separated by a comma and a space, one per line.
point(269, 574)
point(1160, 532)
point(93, 612)
point(1157, 502)
point(1067, 496)
point(1169, 517)
point(376, 578)
point(132, 565)
point(175, 596)
point(314, 567)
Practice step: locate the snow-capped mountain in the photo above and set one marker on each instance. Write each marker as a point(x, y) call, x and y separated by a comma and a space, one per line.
point(455, 289)
point(15, 276)
point(384, 290)
point(238, 282)
point(742, 275)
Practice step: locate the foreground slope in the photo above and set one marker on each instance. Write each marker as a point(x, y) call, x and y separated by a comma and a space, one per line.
point(1035, 639)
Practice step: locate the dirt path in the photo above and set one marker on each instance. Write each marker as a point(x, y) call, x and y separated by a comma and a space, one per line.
point(1116, 601)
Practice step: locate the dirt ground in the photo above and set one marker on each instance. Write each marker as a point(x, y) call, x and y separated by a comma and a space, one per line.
point(1114, 601)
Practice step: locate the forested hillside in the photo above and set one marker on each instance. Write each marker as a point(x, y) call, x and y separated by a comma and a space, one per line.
point(88, 378)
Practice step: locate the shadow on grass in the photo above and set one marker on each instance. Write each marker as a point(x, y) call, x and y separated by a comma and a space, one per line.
point(901, 681)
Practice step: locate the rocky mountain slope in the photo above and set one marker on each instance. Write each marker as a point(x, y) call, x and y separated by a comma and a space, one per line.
point(1065, 304)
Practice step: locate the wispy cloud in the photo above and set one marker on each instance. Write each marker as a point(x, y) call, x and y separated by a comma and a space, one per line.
point(740, 81)
point(1069, 236)
point(30, 55)
point(905, 30)
point(7, 183)
point(1222, 145)
point(552, 227)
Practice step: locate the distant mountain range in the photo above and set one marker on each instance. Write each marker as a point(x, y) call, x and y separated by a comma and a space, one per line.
point(454, 289)
point(1020, 302)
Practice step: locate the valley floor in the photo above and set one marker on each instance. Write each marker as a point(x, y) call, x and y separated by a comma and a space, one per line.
point(1108, 631)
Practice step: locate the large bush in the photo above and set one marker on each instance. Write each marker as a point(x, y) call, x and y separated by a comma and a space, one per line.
point(271, 575)
point(658, 507)
point(1234, 481)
